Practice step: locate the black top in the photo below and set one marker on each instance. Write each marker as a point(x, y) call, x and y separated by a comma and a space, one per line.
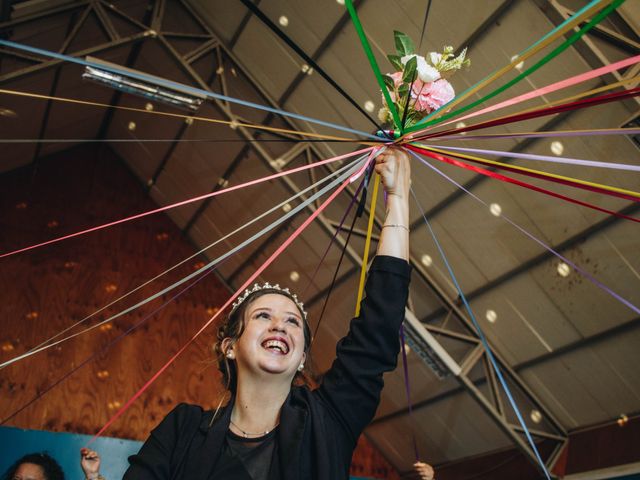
point(248, 458)
point(318, 429)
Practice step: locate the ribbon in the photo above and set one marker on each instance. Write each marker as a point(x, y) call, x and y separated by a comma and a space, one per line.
point(484, 341)
point(545, 134)
point(184, 202)
point(48, 343)
point(372, 61)
point(574, 20)
point(573, 182)
point(583, 77)
point(367, 243)
point(543, 158)
point(232, 123)
point(504, 178)
point(576, 267)
point(177, 86)
point(589, 102)
point(310, 61)
point(251, 278)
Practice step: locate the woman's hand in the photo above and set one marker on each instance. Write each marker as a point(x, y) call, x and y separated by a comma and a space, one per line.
point(90, 463)
point(424, 470)
point(395, 172)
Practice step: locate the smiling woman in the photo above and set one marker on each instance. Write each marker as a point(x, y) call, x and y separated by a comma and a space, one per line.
point(271, 429)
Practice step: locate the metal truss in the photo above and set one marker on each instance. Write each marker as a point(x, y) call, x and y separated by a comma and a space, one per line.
point(151, 30)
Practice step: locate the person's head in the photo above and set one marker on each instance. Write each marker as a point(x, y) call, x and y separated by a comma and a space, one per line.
point(34, 466)
point(266, 331)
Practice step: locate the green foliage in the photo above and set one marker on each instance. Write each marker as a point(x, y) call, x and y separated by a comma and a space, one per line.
point(395, 62)
point(410, 70)
point(404, 44)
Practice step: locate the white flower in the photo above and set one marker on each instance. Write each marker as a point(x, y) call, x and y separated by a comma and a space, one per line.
point(435, 58)
point(426, 72)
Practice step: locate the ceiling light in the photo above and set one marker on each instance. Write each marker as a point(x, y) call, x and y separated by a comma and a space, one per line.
point(148, 107)
point(150, 182)
point(519, 66)
point(426, 260)
point(233, 125)
point(286, 208)
point(536, 416)
point(340, 2)
point(283, 21)
point(622, 420)
point(557, 147)
point(7, 112)
point(131, 126)
point(142, 84)
point(495, 209)
point(188, 120)
point(369, 106)
point(491, 316)
point(294, 276)
point(563, 269)
point(461, 125)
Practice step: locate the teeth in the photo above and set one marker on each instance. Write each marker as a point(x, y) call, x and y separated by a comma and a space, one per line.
point(276, 344)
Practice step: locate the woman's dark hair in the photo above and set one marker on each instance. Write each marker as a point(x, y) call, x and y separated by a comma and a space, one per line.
point(232, 328)
point(51, 468)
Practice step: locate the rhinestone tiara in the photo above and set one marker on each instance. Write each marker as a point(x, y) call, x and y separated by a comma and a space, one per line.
point(267, 286)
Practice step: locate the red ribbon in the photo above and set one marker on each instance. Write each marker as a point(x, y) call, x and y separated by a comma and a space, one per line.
point(504, 178)
point(565, 107)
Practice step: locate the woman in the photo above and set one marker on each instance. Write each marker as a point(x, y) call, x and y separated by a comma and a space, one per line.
point(35, 466)
point(271, 429)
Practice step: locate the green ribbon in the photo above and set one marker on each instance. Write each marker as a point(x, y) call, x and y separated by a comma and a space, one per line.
point(373, 62)
point(570, 41)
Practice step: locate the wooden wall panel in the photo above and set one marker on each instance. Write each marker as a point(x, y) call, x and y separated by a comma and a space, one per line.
point(46, 290)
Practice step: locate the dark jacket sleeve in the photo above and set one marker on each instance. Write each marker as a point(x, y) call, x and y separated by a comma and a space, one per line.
point(165, 447)
point(353, 384)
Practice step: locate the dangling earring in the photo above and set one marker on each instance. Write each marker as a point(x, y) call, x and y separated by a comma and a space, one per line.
point(301, 367)
point(230, 354)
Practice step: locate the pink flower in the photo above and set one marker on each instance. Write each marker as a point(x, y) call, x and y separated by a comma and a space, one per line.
point(397, 81)
point(431, 96)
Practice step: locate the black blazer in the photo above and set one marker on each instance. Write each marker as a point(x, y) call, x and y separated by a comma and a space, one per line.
point(318, 429)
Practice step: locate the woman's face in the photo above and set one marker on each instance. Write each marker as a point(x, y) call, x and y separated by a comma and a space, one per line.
point(273, 337)
point(29, 471)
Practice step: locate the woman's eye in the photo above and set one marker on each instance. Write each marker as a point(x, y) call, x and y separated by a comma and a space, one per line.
point(263, 315)
point(293, 320)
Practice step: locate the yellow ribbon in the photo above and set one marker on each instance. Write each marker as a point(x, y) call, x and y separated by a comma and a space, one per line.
point(367, 243)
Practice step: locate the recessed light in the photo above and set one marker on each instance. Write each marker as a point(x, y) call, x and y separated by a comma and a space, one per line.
point(536, 416)
point(286, 208)
point(340, 2)
point(563, 269)
point(369, 106)
point(283, 21)
point(426, 260)
point(188, 120)
point(495, 209)
point(131, 126)
point(520, 65)
point(491, 316)
point(461, 125)
point(557, 147)
point(294, 276)
point(149, 107)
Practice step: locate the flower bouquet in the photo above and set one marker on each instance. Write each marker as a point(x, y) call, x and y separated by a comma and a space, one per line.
point(419, 85)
